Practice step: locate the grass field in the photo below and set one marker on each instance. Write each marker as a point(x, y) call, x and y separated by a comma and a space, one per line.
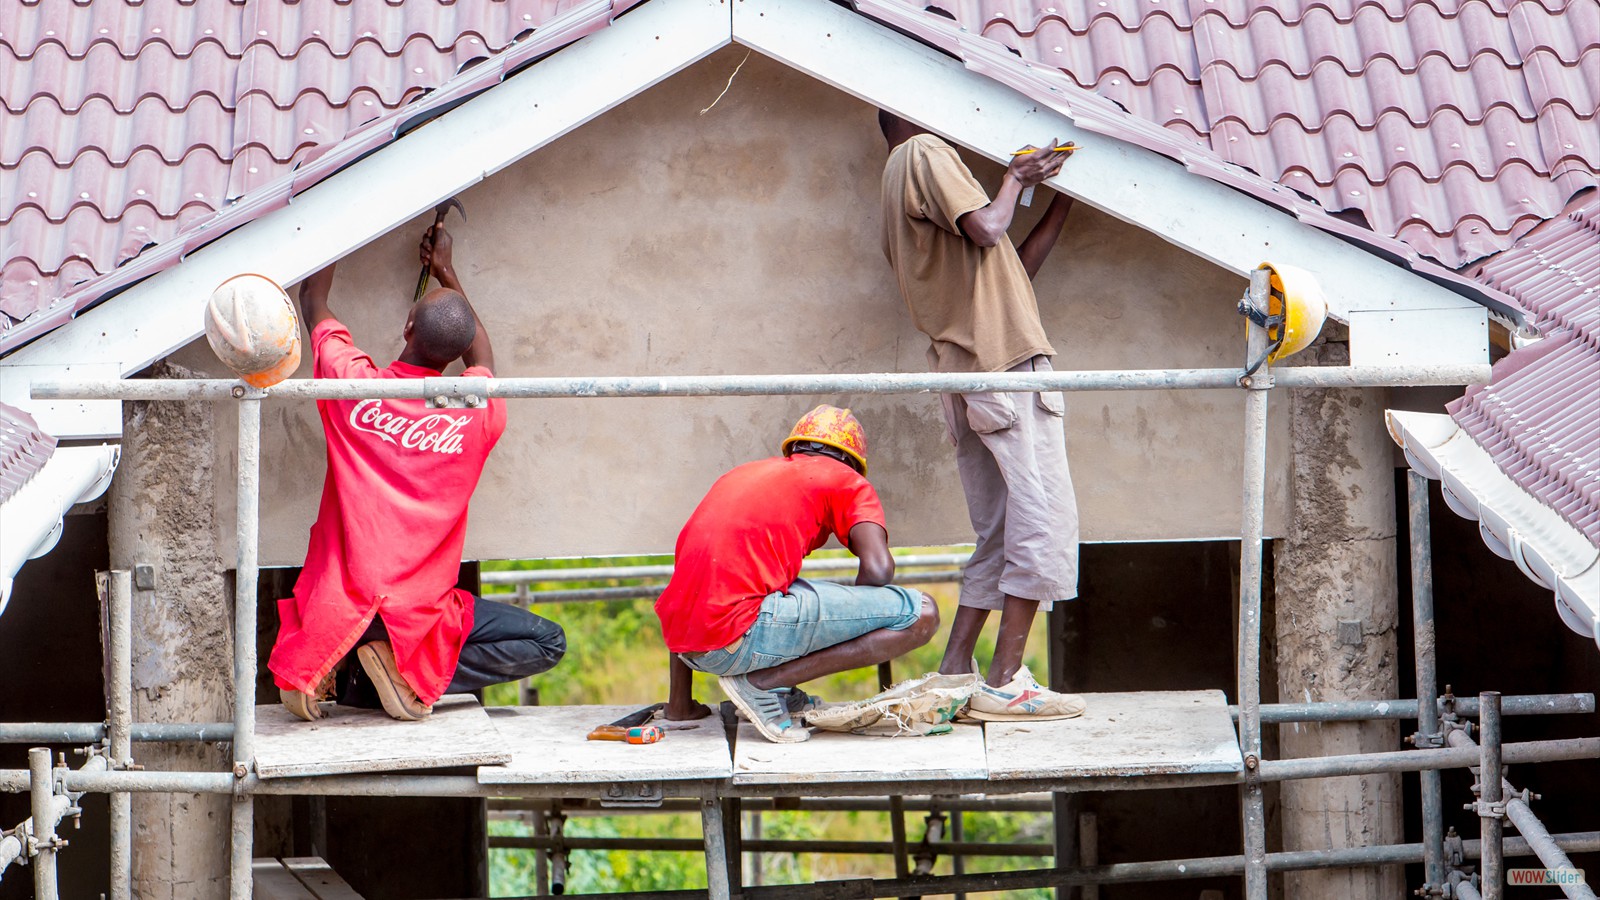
point(615, 656)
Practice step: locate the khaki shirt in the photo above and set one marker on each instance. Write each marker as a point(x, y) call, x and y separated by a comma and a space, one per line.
point(976, 303)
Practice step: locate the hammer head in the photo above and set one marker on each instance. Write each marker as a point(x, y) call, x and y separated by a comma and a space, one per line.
point(442, 209)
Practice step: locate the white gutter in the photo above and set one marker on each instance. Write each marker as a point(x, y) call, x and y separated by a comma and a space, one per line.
point(1513, 522)
point(31, 520)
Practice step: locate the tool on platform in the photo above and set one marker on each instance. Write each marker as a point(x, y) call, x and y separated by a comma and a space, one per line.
point(638, 734)
point(632, 728)
point(439, 212)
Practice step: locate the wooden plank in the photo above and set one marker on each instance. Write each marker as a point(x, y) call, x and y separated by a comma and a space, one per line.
point(549, 746)
point(367, 740)
point(320, 879)
point(270, 880)
point(1141, 733)
point(831, 757)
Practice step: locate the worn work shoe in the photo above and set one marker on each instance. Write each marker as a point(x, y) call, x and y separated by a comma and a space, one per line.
point(765, 710)
point(796, 701)
point(308, 706)
point(399, 700)
point(1022, 698)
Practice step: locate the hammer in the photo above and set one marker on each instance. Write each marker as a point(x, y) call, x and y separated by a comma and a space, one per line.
point(439, 213)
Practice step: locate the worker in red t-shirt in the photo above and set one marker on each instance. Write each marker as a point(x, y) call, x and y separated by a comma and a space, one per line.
point(736, 606)
point(384, 556)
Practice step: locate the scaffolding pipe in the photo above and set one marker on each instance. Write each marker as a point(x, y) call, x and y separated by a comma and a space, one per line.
point(1363, 710)
point(1271, 714)
point(242, 835)
point(1020, 803)
point(1252, 802)
point(43, 797)
point(13, 844)
point(1116, 873)
point(1542, 844)
point(119, 716)
point(689, 845)
point(1424, 760)
point(1491, 818)
point(1425, 652)
point(95, 732)
point(607, 573)
point(651, 591)
point(479, 389)
point(403, 785)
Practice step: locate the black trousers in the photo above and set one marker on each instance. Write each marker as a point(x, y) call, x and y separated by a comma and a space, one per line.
point(507, 643)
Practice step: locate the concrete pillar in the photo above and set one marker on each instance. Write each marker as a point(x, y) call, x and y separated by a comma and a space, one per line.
point(161, 515)
point(1336, 611)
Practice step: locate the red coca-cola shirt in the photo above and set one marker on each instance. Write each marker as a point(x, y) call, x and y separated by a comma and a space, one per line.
point(748, 537)
point(388, 536)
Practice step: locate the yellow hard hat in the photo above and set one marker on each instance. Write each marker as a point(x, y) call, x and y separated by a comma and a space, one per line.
point(831, 427)
point(1297, 297)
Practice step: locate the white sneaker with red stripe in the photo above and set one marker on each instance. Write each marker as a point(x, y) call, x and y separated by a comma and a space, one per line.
point(1022, 699)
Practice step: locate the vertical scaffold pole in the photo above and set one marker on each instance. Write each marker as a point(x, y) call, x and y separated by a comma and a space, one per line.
point(1491, 793)
point(1425, 649)
point(1252, 802)
point(41, 783)
point(717, 887)
point(119, 725)
point(242, 835)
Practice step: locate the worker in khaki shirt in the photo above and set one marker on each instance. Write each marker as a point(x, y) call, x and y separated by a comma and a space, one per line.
point(970, 291)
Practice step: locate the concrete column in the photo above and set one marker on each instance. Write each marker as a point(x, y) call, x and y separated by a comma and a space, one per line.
point(161, 515)
point(1336, 611)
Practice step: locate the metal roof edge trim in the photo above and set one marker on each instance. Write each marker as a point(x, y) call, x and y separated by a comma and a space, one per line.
point(561, 31)
point(1514, 524)
point(1093, 112)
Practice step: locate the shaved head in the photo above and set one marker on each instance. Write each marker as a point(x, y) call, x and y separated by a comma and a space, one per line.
point(442, 327)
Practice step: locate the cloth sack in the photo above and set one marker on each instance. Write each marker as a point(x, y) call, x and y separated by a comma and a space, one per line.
point(920, 706)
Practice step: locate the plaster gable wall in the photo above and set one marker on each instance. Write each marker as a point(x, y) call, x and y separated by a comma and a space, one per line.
point(656, 240)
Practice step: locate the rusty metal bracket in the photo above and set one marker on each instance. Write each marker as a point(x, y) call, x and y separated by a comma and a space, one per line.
point(647, 794)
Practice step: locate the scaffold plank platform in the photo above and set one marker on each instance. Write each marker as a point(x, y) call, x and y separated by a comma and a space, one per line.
point(351, 740)
point(833, 758)
point(550, 746)
point(1143, 733)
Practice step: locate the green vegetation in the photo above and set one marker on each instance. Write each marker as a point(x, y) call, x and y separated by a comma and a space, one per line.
point(615, 656)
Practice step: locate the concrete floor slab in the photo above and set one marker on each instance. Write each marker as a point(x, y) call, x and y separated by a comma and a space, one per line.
point(1141, 733)
point(550, 746)
point(831, 757)
point(368, 740)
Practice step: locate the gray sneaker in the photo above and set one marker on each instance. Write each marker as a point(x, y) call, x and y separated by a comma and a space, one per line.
point(766, 710)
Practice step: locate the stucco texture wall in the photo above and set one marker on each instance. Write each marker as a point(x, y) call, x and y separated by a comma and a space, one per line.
point(660, 240)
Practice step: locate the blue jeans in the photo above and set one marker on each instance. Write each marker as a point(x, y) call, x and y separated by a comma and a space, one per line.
point(808, 617)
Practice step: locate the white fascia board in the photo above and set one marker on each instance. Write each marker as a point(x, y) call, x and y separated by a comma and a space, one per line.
point(30, 520)
point(398, 182)
point(1232, 230)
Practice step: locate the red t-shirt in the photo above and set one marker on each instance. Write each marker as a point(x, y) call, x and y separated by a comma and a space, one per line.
point(388, 536)
point(747, 538)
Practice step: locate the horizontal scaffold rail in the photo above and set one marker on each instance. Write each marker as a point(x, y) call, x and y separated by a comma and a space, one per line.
point(755, 385)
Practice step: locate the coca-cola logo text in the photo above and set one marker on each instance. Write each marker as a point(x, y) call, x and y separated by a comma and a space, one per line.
point(436, 433)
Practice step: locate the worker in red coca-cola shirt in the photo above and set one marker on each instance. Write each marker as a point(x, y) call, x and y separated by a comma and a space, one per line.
point(384, 556)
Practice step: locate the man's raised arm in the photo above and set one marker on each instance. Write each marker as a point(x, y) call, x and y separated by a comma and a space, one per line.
point(985, 227)
point(437, 251)
point(314, 298)
point(1042, 239)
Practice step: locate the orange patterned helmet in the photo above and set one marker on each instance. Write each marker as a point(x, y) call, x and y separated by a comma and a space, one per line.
point(831, 427)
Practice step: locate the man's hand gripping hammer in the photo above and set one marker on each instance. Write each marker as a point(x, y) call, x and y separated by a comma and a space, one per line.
point(439, 212)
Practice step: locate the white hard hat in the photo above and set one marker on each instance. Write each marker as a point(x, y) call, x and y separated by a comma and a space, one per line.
point(252, 327)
